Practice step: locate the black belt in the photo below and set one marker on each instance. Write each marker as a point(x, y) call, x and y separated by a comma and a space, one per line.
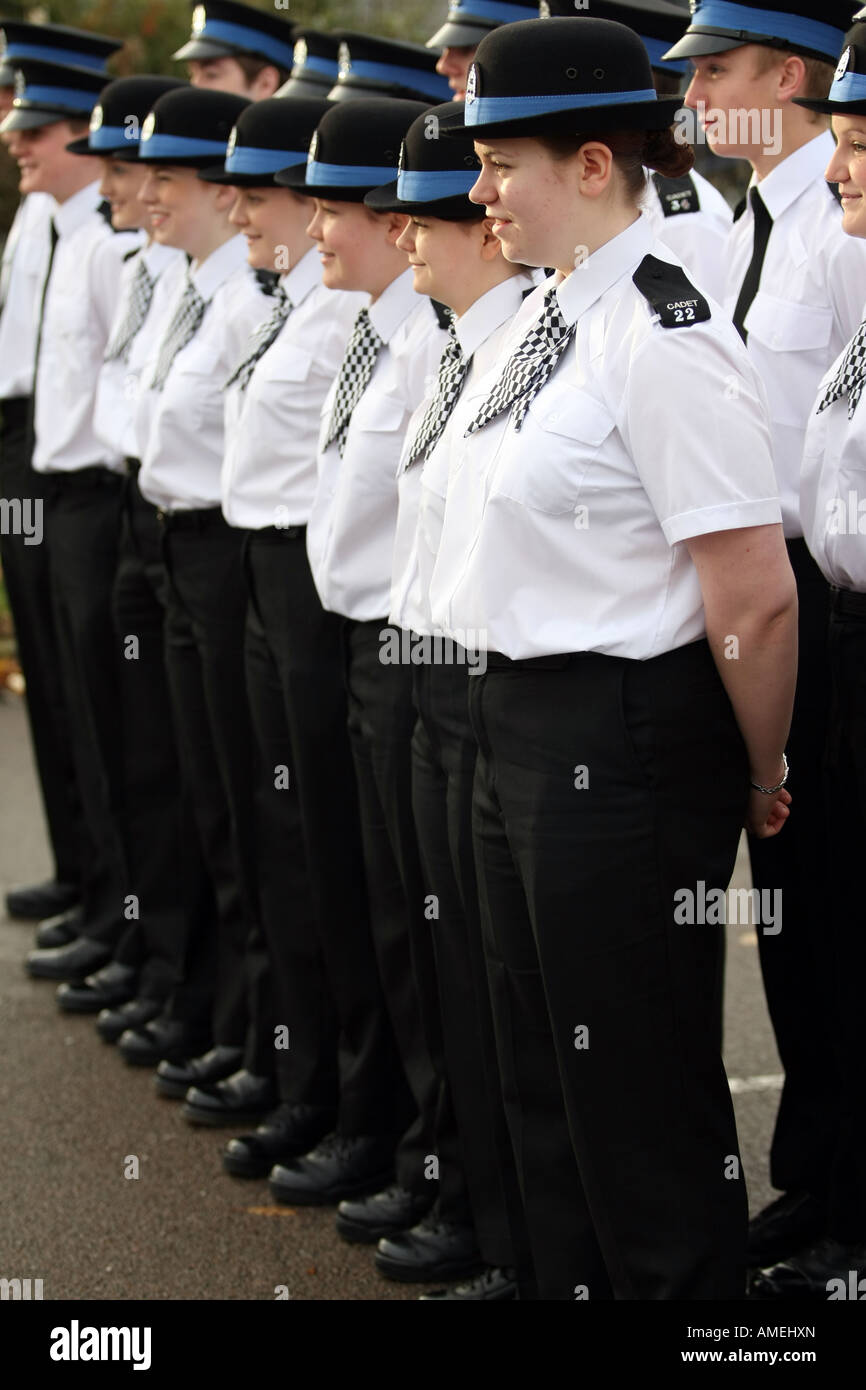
point(497, 662)
point(196, 519)
point(95, 475)
point(16, 412)
point(684, 656)
point(275, 534)
point(847, 603)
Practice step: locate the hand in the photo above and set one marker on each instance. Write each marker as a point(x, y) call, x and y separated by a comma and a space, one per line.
point(766, 815)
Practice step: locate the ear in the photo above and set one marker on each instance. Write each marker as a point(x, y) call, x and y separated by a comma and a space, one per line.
point(225, 197)
point(490, 246)
point(791, 75)
point(595, 168)
point(394, 225)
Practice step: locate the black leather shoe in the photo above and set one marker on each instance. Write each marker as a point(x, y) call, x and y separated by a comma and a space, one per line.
point(787, 1226)
point(367, 1219)
point(494, 1284)
point(113, 984)
point(241, 1099)
point(161, 1038)
point(73, 962)
point(173, 1079)
point(826, 1271)
point(112, 1023)
point(59, 931)
point(42, 900)
point(433, 1249)
point(287, 1132)
point(337, 1167)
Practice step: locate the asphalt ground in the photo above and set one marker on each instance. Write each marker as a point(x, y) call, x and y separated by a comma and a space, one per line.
point(73, 1115)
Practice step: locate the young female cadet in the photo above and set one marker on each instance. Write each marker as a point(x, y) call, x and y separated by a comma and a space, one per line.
point(456, 260)
point(612, 523)
point(341, 1055)
point(831, 508)
point(394, 349)
point(179, 420)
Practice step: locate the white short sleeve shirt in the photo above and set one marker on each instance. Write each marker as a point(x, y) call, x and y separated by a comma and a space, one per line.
point(833, 489)
point(567, 535)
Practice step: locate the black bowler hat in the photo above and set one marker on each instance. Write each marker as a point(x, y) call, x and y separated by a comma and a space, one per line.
point(53, 43)
point(469, 20)
point(315, 65)
point(541, 77)
point(190, 127)
point(434, 176)
point(269, 135)
point(225, 29)
point(847, 95)
point(659, 22)
point(355, 148)
point(117, 118)
point(50, 92)
point(374, 67)
point(717, 25)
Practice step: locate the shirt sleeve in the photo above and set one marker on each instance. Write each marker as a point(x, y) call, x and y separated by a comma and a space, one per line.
point(695, 422)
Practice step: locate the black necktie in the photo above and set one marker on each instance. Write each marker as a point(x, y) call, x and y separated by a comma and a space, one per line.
point(763, 227)
point(55, 237)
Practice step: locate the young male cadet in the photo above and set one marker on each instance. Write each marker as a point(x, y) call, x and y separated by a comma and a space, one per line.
point(465, 26)
point(180, 435)
point(315, 65)
point(25, 562)
point(83, 482)
point(389, 364)
point(235, 48)
point(795, 289)
point(687, 213)
point(151, 810)
point(375, 67)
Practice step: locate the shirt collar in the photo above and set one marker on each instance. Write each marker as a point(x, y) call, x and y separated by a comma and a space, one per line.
point(394, 305)
point(797, 172)
point(220, 264)
point(303, 278)
point(158, 258)
point(72, 214)
point(489, 312)
point(589, 281)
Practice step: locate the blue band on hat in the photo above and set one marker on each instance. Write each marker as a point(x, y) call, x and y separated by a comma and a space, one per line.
point(111, 137)
point(426, 185)
point(771, 24)
point(486, 110)
point(328, 66)
point(253, 39)
point(656, 48)
point(421, 80)
point(54, 55)
point(249, 159)
point(486, 9)
point(57, 96)
point(348, 175)
point(850, 87)
point(159, 146)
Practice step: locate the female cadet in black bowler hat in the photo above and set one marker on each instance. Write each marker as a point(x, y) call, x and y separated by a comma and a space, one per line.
point(612, 524)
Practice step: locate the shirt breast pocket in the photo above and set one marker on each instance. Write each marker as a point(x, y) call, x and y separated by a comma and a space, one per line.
point(377, 413)
point(195, 382)
point(544, 465)
point(285, 364)
point(785, 327)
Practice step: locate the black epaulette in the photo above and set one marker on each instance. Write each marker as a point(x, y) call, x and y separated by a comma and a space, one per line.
point(834, 189)
point(104, 210)
point(443, 314)
point(677, 195)
point(670, 294)
point(268, 280)
point(128, 255)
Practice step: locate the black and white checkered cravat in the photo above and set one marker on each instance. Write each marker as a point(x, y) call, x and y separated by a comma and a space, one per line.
point(183, 328)
point(452, 374)
point(362, 349)
point(138, 303)
point(262, 338)
point(851, 376)
point(528, 367)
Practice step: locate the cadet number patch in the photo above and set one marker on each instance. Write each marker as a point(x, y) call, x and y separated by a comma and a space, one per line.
point(670, 294)
point(677, 195)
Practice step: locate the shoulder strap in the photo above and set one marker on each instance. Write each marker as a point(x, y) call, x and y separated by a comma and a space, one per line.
point(670, 293)
point(677, 195)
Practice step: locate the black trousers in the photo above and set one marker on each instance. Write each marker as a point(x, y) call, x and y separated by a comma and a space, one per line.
point(26, 574)
point(381, 721)
point(603, 787)
point(204, 637)
point(443, 767)
point(166, 868)
point(314, 905)
point(83, 514)
point(846, 772)
point(796, 963)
